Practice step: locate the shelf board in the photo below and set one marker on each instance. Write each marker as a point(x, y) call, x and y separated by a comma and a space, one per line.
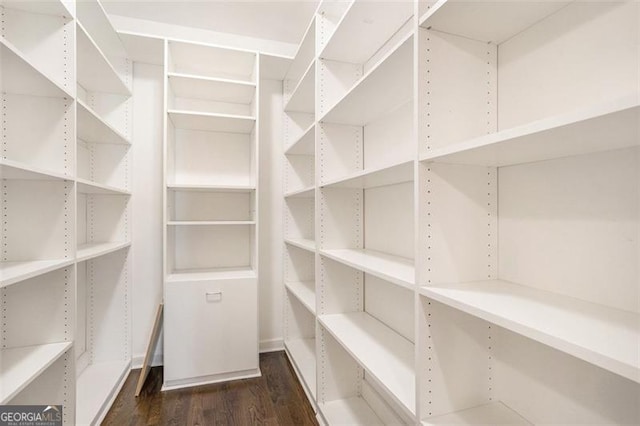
point(384, 354)
point(349, 411)
point(210, 222)
point(210, 122)
point(13, 272)
point(606, 127)
point(20, 366)
point(19, 171)
point(305, 144)
point(305, 53)
point(87, 187)
point(95, 388)
point(303, 354)
point(210, 187)
point(92, 128)
point(95, 72)
point(494, 413)
point(212, 89)
point(308, 192)
point(303, 97)
point(382, 176)
point(491, 21)
point(210, 274)
point(21, 76)
point(49, 7)
point(386, 87)
point(395, 269)
point(274, 66)
point(302, 243)
point(92, 250)
point(603, 336)
point(364, 29)
point(142, 47)
point(304, 292)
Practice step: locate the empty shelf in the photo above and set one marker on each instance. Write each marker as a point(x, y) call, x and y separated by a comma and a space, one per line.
point(210, 222)
point(303, 354)
point(88, 187)
point(20, 171)
point(212, 122)
point(92, 128)
point(304, 291)
point(212, 89)
point(388, 175)
point(210, 274)
point(606, 127)
point(495, 413)
point(304, 55)
point(349, 411)
point(20, 366)
point(597, 334)
point(210, 187)
point(51, 7)
point(384, 354)
point(395, 269)
point(302, 193)
point(13, 272)
point(93, 250)
point(302, 243)
point(303, 96)
point(96, 387)
point(305, 144)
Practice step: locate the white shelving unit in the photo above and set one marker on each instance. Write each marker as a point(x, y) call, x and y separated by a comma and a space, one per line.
point(211, 215)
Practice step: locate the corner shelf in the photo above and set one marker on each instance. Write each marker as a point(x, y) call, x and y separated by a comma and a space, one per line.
point(51, 7)
point(302, 243)
point(88, 187)
point(382, 176)
point(92, 250)
point(210, 274)
point(96, 386)
point(395, 269)
point(303, 96)
point(385, 355)
point(93, 129)
point(20, 366)
point(212, 122)
point(304, 55)
point(303, 354)
point(305, 295)
point(305, 144)
point(494, 413)
point(13, 272)
point(350, 411)
point(209, 88)
point(95, 72)
point(308, 192)
point(19, 171)
point(603, 336)
point(582, 132)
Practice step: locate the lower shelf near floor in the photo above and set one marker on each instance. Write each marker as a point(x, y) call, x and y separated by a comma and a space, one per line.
point(495, 413)
point(302, 353)
point(349, 411)
point(96, 388)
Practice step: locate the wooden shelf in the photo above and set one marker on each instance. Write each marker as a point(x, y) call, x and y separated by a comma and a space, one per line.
point(308, 192)
point(304, 291)
point(384, 354)
point(20, 366)
point(305, 144)
point(92, 128)
point(212, 122)
point(303, 97)
point(210, 274)
point(210, 187)
point(395, 269)
point(606, 127)
point(364, 29)
point(92, 250)
point(96, 387)
point(304, 55)
point(302, 243)
point(210, 222)
point(19, 171)
point(20, 76)
point(50, 7)
point(487, 21)
point(211, 89)
point(349, 411)
point(95, 72)
point(385, 88)
point(600, 335)
point(88, 187)
point(494, 413)
point(13, 272)
point(388, 175)
point(303, 354)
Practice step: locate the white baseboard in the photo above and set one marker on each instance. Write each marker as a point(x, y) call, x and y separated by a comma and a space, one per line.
point(271, 345)
point(137, 360)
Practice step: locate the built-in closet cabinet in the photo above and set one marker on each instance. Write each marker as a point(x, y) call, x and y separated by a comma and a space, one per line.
point(461, 212)
point(65, 170)
point(211, 215)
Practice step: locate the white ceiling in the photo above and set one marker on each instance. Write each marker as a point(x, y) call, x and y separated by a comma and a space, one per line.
point(282, 20)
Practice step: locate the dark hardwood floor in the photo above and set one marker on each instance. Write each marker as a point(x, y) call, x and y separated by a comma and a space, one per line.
point(276, 398)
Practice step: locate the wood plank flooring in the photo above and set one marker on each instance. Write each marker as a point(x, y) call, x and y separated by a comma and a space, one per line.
point(276, 398)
